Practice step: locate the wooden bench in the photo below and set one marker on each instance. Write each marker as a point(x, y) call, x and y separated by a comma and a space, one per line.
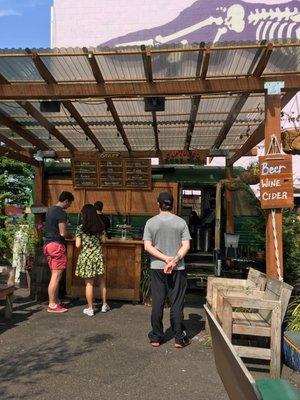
point(256, 280)
point(261, 314)
point(237, 380)
point(7, 292)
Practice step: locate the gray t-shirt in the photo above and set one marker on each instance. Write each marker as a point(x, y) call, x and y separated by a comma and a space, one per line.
point(166, 231)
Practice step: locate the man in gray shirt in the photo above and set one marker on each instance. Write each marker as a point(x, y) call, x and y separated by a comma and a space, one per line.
point(167, 240)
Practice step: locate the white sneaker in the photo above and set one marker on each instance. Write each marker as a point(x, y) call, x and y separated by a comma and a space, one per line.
point(89, 312)
point(105, 308)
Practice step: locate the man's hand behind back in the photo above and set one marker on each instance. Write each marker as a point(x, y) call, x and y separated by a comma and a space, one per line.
point(170, 266)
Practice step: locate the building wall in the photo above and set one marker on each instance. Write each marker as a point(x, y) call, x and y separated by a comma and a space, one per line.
point(156, 22)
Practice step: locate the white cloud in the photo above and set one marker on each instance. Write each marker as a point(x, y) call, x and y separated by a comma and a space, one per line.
point(9, 12)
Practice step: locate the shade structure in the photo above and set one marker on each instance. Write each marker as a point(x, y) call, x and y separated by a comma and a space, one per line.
point(214, 97)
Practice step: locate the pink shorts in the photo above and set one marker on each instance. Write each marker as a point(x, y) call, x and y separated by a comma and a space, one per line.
point(56, 255)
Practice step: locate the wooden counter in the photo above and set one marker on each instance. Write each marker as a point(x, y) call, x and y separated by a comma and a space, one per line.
point(123, 269)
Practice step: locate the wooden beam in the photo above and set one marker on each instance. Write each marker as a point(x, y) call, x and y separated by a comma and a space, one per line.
point(258, 135)
point(81, 122)
point(201, 72)
point(189, 87)
point(202, 154)
point(110, 105)
point(6, 152)
point(16, 127)
point(49, 78)
point(30, 109)
point(263, 55)
point(272, 127)
point(10, 143)
point(229, 198)
point(146, 55)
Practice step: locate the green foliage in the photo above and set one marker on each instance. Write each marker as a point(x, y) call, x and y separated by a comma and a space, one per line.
point(293, 314)
point(291, 246)
point(16, 181)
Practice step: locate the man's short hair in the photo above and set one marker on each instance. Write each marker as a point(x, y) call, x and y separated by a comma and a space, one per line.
point(165, 200)
point(98, 205)
point(66, 196)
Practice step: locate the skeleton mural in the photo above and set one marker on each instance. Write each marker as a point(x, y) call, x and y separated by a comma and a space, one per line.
point(219, 21)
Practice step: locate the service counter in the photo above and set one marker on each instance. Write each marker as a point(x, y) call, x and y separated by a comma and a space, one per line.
point(123, 259)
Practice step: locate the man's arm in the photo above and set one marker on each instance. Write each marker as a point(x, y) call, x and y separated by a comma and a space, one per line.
point(153, 251)
point(185, 246)
point(62, 226)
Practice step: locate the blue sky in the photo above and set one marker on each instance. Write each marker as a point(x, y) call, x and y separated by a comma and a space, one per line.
point(25, 23)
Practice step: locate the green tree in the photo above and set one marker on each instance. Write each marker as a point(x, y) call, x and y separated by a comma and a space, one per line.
point(16, 182)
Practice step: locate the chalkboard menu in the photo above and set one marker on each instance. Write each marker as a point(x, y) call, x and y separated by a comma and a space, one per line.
point(137, 174)
point(85, 173)
point(111, 173)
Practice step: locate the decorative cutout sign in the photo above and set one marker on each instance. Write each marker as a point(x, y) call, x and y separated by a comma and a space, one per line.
point(276, 181)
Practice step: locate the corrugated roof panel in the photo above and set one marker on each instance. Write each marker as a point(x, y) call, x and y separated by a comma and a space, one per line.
point(173, 119)
point(176, 105)
point(230, 62)
point(73, 68)
point(121, 66)
point(12, 109)
point(92, 107)
point(19, 69)
point(177, 64)
point(283, 59)
point(130, 107)
point(204, 137)
point(136, 120)
point(216, 104)
point(238, 135)
point(14, 137)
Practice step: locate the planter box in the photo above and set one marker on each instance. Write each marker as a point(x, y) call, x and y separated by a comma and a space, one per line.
point(291, 349)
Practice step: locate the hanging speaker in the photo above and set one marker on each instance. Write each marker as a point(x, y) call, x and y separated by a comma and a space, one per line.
point(50, 106)
point(154, 104)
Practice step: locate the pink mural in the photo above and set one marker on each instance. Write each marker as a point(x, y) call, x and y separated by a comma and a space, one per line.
point(126, 23)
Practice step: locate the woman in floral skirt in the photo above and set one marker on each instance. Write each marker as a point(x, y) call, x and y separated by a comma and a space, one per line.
point(90, 263)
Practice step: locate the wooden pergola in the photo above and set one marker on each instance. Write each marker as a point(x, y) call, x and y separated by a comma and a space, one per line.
point(216, 99)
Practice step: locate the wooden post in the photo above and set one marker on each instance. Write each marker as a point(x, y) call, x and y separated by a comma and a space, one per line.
point(229, 201)
point(39, 191)
point(272, 127)
point(218, 216)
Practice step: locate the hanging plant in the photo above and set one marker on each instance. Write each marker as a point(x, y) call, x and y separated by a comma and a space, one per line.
point(251, 175)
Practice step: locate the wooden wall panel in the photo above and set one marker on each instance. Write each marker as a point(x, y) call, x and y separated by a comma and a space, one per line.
point(114, 200)
point(54, 187)
point(145, 203)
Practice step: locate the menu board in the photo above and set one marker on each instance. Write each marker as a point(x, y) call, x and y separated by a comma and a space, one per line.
point(85, 173)
point(111, 173)
point(137, 174)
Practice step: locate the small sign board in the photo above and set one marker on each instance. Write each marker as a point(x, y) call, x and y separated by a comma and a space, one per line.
point(138, 174)
point(276, 181)
point(85, 172)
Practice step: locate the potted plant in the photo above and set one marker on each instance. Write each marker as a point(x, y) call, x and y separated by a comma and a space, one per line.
point(251, 175)
point(291, 336)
